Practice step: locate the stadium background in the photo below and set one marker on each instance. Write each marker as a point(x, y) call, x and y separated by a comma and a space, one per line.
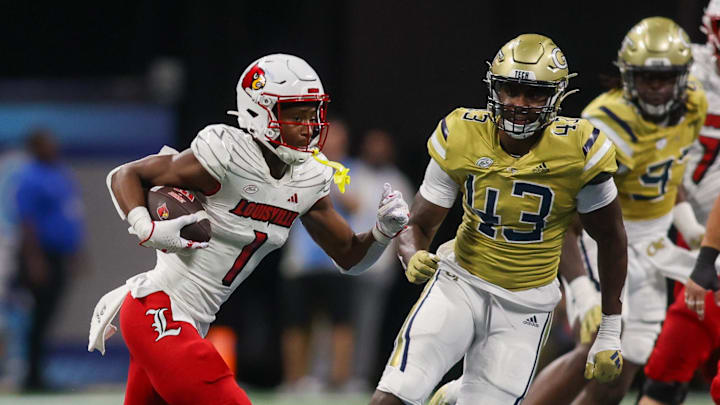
point(116, 80)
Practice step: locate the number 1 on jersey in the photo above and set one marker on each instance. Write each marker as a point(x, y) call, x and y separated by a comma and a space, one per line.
point(244, 257)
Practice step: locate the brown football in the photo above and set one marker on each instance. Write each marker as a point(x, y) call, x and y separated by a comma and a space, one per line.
point(166, 202)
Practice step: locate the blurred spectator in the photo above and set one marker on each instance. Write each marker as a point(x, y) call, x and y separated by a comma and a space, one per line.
point(377, 161)
point(312, 285)
point(11, 358)
point(51, 226)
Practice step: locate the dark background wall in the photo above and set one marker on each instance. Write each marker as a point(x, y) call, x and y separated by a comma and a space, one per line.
point(390, 64)
point(397, 65)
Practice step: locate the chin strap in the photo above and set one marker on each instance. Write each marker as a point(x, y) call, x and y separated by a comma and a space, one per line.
point(341, 177)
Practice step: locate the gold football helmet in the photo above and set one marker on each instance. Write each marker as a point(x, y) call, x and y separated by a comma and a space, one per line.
point(655, 44)
point(535, 61)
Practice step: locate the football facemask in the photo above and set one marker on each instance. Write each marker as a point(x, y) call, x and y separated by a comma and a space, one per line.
point(521, 121)
point(317, 126)
point(534, 64)
point(266, 87)
point(655, 45)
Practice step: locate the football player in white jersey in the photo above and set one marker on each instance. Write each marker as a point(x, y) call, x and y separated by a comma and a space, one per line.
point(256, 180)
point(702, 176)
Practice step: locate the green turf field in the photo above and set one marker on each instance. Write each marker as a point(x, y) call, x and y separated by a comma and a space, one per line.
point(258, 398)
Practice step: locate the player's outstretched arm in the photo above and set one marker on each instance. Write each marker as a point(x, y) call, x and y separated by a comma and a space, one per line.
point(127, 186)
point(605, 225)
point(425, 219)
point(355, 253)
point(704, 275)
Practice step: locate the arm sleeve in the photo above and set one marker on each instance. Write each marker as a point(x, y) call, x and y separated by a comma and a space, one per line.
point(210, 150)
point(374, 252)
point(438, 187)
point(595, 196)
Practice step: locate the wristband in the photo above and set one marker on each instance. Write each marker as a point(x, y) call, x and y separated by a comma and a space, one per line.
point(380, 237)
point(140, 221)
point(610, 325)
point(704, 273)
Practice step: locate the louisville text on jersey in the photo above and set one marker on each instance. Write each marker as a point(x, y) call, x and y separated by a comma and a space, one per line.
point(265, 213)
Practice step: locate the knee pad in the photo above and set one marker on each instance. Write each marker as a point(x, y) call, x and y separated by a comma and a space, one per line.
point(638, 340)
point(672, 393)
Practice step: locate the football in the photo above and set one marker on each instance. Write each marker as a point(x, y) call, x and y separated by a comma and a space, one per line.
point(166, 202)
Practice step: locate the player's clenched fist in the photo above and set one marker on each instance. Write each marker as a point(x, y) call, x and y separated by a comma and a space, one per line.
point(162, 235)
point(421, 267)
point(392, 216)
point(604, 362)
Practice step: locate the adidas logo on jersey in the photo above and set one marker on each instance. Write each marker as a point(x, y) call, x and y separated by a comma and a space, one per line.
point(532, 321)
point(541, 169)
point(293, 199)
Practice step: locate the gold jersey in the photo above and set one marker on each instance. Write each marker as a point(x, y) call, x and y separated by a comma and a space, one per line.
point(654, 156)
point(516, 210)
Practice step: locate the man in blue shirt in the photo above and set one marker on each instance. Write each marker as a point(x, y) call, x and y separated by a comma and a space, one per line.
point(50, 215)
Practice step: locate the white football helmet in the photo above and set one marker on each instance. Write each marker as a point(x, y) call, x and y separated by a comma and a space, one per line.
point(264, 87)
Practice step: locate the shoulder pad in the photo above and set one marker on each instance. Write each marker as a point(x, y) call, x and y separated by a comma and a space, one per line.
point(212, 147)
point(613, 116)
point(439, 140)
point(598, 151)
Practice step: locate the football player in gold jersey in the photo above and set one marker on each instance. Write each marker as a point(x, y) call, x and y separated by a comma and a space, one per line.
point(652, 120)
point(524, 173)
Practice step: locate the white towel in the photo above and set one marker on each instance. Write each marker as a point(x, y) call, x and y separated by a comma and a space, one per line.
point(105, 311)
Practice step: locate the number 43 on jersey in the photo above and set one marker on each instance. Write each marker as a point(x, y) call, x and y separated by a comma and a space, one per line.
point(492, 224)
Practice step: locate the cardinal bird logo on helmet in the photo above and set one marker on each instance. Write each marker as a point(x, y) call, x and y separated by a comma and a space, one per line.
point(254, 79)
point(163, 212)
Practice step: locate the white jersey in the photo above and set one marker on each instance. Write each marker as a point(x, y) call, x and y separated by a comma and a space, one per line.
point(702, 176)
point(250, 215)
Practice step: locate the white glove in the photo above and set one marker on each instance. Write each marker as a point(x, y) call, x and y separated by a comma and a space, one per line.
point(588, 306)
point(685, 222)
point(392, 217)
point(162, 235)
point(605, 361)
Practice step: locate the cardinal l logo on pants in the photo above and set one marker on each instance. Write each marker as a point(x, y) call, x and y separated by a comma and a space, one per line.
point(160, 323)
